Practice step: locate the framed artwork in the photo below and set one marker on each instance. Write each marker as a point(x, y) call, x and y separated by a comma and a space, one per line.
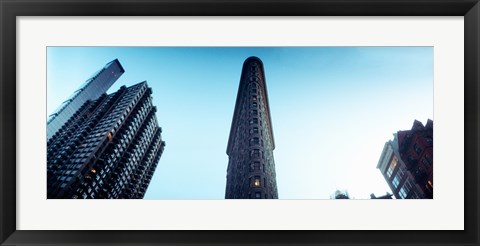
point(267, 223)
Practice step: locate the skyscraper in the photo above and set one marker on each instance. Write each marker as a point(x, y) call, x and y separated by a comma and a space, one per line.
point(406, 162)
point(251, 167)
point(93, 87)
point(109, 148)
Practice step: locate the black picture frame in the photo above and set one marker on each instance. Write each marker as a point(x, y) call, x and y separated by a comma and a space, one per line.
point(10, 9)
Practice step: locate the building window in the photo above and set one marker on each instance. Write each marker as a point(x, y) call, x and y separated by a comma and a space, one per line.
point(414, 195)
point(428, 159)
point(256, 166)
point(258, 195)
point(401, 172)
point(402, 193)
point(255, 153)
point(256, 183)
point(254, 98)
point(254, 141)
point(418, 150)
point(396, 181)
point(407, 186)
point(254, 105)
point(391, 167)
point(425, 162)
point(429, 140)
point(254, 121)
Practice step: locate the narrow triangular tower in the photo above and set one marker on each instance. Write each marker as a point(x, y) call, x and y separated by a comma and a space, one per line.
point(251, 167)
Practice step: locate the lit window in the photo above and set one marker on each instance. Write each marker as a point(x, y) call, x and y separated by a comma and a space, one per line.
point(393, 163)
point(257, 181)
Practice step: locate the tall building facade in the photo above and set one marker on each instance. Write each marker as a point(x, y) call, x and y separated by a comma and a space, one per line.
point(251, 167)
point(406, 162)
point(109, 148)
point(93, 87)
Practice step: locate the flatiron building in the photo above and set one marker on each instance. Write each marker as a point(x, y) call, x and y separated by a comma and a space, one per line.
point(108, 148)
point(251, 167)
point(93, 87)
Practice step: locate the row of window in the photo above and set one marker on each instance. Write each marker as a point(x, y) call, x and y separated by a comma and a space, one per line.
point(110, 159)
point(427, 160)
point(89, 146)
point(131, 167)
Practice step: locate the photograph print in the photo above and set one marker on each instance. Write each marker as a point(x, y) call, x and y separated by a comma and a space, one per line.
point(198, 123)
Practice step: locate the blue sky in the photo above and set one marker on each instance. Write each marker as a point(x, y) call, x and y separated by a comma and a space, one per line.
point(332, 110)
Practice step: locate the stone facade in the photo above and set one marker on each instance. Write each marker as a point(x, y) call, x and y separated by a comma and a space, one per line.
point(251, 166)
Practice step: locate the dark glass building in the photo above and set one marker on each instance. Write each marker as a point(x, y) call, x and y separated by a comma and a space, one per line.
point(251, 167)
point(407, 162)
point(93, 87)
point(109, 148)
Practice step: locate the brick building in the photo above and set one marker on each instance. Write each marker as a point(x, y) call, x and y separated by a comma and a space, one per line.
point(251, 167)
point(406, 162)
